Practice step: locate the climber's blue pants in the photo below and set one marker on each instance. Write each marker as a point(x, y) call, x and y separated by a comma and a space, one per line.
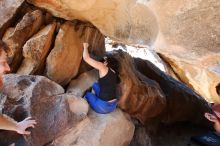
point(97, 104)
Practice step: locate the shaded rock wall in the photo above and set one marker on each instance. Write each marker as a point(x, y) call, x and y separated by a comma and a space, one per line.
point(179, 97)
point(140, 96)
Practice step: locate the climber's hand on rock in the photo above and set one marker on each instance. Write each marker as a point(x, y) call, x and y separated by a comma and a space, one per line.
point(23, 125)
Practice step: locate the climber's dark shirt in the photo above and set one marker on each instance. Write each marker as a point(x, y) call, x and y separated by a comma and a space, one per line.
point(108, 86)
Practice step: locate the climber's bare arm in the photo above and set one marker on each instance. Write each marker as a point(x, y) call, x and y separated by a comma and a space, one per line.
point(96, 64)
point(6, 123)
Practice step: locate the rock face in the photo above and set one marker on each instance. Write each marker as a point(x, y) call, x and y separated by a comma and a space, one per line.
point(42, 99)
point(64, 60)
point(36, 49)
point(114, 129)
point(85, 80)
point(88, 33)
point(181, 100)
point(8, 32)
point(8, 10)
point(140, 96)
point(186, 32)
point(125, 20)
point(29, 25)
point(189, 41)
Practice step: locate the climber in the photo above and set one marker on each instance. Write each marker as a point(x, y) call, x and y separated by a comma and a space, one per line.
point(6, 123)
point(104, 100)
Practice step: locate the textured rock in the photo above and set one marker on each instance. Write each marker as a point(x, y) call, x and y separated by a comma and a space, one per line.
point(125, 20)
point(64, 60)
point(90, 34)
point(181, 100)
point(79, 85)
point(29, 25)
point(29, 86)
point(36, 49)
point(63, 111)
point(114, 129)
point(189, 41)
point(8, 33)
point(202, 75)
point(42, 99)
point(140, 96)
point(8, 10)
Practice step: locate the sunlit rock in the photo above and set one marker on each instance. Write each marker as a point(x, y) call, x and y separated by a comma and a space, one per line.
point(188, 39)
point(64, 59)
point(28, 26)
point(114, 129)
point(126, 20)
point(36, 49)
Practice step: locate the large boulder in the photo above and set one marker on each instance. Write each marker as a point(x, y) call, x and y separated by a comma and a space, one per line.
point(8, 11)
point(189, 41)
point(114, 129)
point(126, 20)
point(64, 59)
point(44, 100)
point(140, 96)
point(36, 50)
point(29, 25)
point(182, 103)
